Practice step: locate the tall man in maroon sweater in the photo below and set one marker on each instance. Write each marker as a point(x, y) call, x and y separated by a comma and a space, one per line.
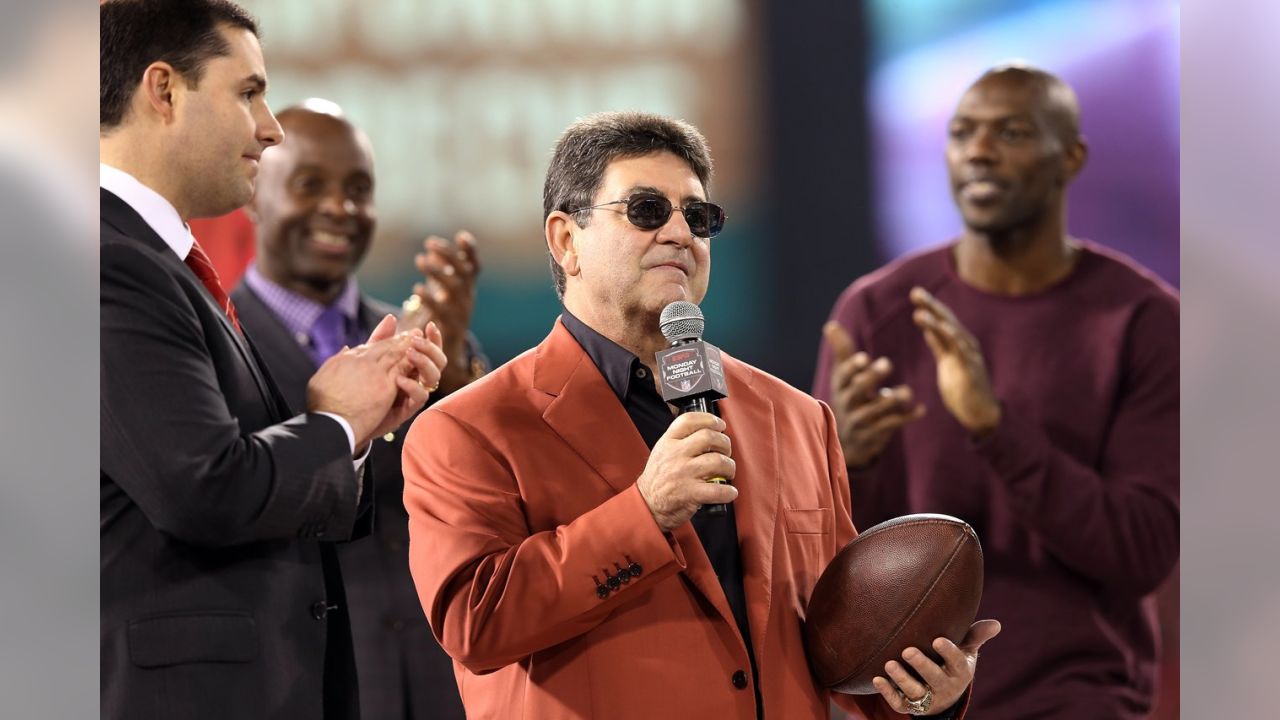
point(1026, 381)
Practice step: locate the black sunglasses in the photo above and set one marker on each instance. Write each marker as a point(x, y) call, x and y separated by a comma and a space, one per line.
point(650, 212)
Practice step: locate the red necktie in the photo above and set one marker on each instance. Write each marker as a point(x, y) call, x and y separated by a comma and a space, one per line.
point(203, 268)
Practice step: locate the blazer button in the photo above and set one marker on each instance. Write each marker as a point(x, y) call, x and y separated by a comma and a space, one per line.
point(739, 680)
point(602, 592)
point(635, 569)
point(319, 609)
point(614, 582)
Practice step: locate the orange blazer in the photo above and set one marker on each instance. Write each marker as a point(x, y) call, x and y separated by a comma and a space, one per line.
point(521, 496)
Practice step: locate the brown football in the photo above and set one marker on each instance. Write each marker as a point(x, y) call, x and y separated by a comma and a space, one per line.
point(899, 584)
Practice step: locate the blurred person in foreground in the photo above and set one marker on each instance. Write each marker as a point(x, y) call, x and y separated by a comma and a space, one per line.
point(315, 215)
point(221, 594)
point(1049, 367)
point(552, 504)
point(47, 264)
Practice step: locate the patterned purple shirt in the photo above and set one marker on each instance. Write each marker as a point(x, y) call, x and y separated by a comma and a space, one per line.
point(299, 313)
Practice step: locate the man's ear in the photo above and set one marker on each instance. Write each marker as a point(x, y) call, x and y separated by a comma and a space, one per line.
point(1074, 158)
point(160, 83)
point(560, 242)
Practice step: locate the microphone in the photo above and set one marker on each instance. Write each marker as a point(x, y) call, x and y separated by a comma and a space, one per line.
point(690, 372)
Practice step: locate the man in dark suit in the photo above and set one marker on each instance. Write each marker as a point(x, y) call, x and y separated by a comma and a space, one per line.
point(220, 590)
point(314, 212)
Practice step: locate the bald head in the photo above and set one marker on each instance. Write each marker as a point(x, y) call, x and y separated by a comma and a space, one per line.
point(1013, 147)
point(318, 116)
point(314, 205)
point(1053, 99)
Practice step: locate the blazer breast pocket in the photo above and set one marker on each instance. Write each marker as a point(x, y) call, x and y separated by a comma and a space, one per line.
point(195, 637)
point(810, 537)
point(804, 521)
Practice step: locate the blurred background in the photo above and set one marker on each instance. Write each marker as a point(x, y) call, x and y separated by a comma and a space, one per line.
point(826, 121)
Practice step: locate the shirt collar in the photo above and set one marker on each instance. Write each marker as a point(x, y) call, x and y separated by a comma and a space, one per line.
point(297, 312)
point(157, 212)
point(616, 363)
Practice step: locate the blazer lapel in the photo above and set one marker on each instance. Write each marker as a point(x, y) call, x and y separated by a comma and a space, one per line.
point(588, 417)
point(585, 413)
point(750, 423)
point(700, 573)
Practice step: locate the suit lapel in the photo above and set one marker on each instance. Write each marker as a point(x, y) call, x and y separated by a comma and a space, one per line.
point(286, 361)
point(750, 423)
point(372, 311)
point(119, 215)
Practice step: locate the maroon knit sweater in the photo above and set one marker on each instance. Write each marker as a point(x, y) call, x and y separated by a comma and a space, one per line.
point(1074, 495)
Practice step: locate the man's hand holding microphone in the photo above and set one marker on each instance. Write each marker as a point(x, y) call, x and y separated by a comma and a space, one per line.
point(674, 482)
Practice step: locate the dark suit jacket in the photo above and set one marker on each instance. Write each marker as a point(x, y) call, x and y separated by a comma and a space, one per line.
point(217, 504)
point(403, 672)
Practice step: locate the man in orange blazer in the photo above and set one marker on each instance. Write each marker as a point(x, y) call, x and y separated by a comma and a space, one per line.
point(554, 534)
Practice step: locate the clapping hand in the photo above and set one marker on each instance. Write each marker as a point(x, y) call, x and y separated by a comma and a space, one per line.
point(867, 414)
point(446, 296)
point(963, 381)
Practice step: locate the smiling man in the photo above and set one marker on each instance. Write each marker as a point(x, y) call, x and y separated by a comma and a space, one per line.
point(1049, 369)
point(555, 536)
point(315, 215)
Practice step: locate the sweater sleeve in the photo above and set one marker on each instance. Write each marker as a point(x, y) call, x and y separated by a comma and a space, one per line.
point(1116, 523)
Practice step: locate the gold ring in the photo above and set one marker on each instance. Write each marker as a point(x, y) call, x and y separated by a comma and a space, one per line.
point(921, 706)
point(717, 479)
